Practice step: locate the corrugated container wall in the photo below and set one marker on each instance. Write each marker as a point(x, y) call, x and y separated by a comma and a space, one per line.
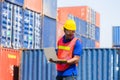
point(28, 30)
point(50, 8)
point(34, 66)
point(37, 31)
point(48, 32)
point(32, 29)
point(116, 36)
point(17, 27)
point(34, 5)
point(119, 66)
point(9, 64)
point(95, 64)
point(6, 12)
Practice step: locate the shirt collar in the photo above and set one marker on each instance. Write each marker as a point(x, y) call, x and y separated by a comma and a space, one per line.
point(66, 40)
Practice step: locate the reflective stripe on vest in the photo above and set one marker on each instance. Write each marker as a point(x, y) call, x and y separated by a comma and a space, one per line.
point(64, 47)
point(65, 51)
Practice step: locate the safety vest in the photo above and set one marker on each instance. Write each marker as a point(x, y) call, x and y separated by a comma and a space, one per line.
point(65, 51)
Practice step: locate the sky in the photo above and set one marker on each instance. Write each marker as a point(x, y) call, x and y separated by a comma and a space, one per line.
point(109, 16)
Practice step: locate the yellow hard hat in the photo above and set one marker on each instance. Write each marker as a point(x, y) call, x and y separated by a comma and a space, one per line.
point(70, 25)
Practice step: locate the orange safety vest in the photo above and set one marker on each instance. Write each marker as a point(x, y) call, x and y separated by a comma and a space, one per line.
point(65, 51)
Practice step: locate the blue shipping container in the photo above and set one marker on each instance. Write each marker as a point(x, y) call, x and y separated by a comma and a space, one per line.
point(80, 24)
point(17, 31)
point(87, 42)
point(50, 8)
point(17, 2)
point(91, 31)
point(37, 31)
point(6, 12)
point(116, 36)
point(97, 33)
point(48, 32)
point(34, 66)
point(94, 64)
point(28, 30)
point(84, 28)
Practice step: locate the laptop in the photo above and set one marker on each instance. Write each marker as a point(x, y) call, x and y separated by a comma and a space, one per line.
point(50, 53)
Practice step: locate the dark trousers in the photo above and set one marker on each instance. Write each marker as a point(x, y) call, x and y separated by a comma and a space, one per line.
point(66, 78)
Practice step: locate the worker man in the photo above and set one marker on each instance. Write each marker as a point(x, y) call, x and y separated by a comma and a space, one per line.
point(69, 51)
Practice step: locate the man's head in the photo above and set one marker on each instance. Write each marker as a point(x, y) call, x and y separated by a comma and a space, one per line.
point(69, 28)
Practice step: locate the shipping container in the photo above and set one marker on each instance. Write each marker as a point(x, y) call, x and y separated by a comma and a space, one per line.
point(17, 2)
point(97, 19)
point(34, 5)
point(81, 27)
point(37, 31)
point(83, 40)
point(62, 16)
point(64, 11)
point(99, 64)
point(6, 12)
point(93, 16)
point(9, 64)
point(60, 31)
point(34, 66)
point(50, 8)
point(97, 34)
point(83, 12)
point(17, 27)
point(85, 31)
point(48, 32)
point(90, 43)
point(119, 65)
point(90, 31)
point(28, 30)
point(87, 42)
point(94, 64)
point(116, 36)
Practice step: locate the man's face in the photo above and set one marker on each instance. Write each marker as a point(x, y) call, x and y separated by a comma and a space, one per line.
point(69, 34)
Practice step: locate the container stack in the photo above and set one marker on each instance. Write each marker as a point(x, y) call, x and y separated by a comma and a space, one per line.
point(25, 24)
point(18, 25)
point(88, 23)
point(95, 64)
point(116, 36)
point(49, 23)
